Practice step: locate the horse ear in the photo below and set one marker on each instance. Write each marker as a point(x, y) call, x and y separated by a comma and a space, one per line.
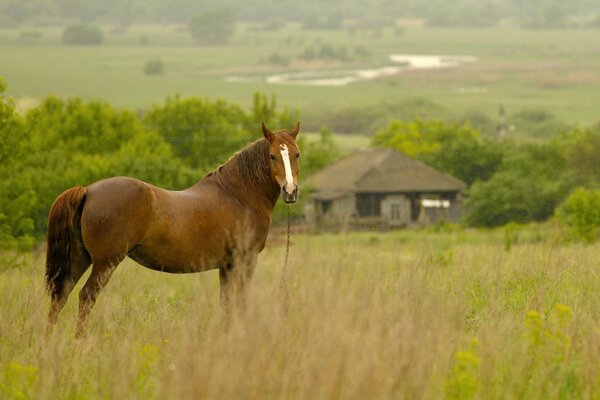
point(267, 133)
point(295, 131)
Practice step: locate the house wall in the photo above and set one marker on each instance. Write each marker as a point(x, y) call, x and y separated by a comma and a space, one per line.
point(382, 210)
point(337, 211)
point(396, 210)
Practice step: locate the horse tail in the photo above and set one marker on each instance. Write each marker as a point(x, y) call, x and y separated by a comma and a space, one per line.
point(61, 226)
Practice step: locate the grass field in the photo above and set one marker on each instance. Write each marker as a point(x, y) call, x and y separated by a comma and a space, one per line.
point(407, 314)
point(552, 70)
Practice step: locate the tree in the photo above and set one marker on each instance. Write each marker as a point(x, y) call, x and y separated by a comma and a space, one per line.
point(82, 34)
point(530, 183)
point(458, 150)
point(317, 154)
point(203, 133)
point(212, 27)
point(582, 150)
point(581, 212)
point(16, 190)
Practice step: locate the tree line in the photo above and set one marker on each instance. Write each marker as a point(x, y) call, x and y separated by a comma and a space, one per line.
point(63, 143)
point(511, 181)
point(312, 14)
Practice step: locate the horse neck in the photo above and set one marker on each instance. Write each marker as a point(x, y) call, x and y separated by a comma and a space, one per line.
point(258, 191)
point(261, 191)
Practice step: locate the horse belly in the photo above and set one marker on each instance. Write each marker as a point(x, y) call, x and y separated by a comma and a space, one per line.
point(177, 259)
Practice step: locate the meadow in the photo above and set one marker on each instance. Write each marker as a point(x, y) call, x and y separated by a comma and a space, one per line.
point(551, 70)
point(429, 314)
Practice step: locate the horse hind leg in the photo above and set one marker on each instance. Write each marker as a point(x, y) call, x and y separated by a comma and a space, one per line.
point(99, 277)
point(79, 263)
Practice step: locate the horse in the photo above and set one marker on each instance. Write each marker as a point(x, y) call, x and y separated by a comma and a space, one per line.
point(221, 222)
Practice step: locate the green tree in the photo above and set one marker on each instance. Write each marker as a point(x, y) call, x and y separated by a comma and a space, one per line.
point(419, 138)
point(319, 153)
point(264, 109)
point(528, 186)
point(203, 133)
point(82, 34)
point(73, 142)
point(212, 27)
point(16, 190)
point(581, 211)
point(455, 149)
point(582, 150)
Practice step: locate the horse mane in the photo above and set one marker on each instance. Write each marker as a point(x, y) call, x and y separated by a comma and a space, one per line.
point(252, 163)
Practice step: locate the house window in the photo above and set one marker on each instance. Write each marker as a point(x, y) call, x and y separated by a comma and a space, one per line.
point(435, 203)
point(325, 205)
point(369, 204)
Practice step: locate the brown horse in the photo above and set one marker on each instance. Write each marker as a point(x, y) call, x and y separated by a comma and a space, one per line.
point(221, 222)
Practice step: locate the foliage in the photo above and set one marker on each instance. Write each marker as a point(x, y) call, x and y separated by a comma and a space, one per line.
point(527, 187)
point(419, 138)
point(455, 149)
point(212, 27)
point(82, 34)
point(16, 226)
point(264, 109)
point(542, 14)
point(154, 67)
point(462, 383)
point(581, 212)
point(318, 154)
point(203, 133)
point(536, 124)
point(17, 381)
point(507, 182)
point(582, 150)
point(317, 21)
point(474, 14)
point(317, 14)
point(60, 144)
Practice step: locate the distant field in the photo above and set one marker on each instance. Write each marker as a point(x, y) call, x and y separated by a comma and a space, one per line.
point(399, 315)
point(553, 70)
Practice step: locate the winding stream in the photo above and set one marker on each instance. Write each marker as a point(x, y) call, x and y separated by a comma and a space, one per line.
point(343, 77)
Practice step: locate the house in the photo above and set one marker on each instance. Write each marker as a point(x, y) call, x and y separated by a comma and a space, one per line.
point(382, 188)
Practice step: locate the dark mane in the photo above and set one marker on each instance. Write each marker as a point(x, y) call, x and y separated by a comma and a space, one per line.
point(252, 162)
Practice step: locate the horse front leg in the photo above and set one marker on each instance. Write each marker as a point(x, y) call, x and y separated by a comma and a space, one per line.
point(234, 279)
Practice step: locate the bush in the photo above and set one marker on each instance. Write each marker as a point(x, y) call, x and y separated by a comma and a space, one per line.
point(537, 123)
point(581, 212)
point(154, 67)
point(277, 58)
point(528, 186)
point(82, 34)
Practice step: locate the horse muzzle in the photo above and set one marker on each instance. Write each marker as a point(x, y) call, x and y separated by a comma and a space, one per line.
point(289, 197)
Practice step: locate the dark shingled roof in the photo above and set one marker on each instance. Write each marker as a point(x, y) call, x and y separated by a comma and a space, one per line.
point(380, 170)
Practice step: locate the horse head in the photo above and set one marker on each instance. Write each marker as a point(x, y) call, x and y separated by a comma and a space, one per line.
point(284, 155)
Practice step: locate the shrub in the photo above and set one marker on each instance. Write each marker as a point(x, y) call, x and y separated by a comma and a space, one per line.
point(154, 67)
point(581, 212)
point(277, 58)
point(82, 34)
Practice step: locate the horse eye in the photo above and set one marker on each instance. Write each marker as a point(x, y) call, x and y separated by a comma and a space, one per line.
point(272, 157)
point(297, 155)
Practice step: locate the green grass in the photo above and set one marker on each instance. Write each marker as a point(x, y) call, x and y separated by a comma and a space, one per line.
point(404, 314)
point(551, 70)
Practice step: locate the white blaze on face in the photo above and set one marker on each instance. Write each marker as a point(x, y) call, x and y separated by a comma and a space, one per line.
point(289, 178)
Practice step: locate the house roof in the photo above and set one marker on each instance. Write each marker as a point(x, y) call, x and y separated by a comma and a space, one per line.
point(380, 170)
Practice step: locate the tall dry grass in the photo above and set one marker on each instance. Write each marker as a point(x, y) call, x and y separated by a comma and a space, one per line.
point(361, 316)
